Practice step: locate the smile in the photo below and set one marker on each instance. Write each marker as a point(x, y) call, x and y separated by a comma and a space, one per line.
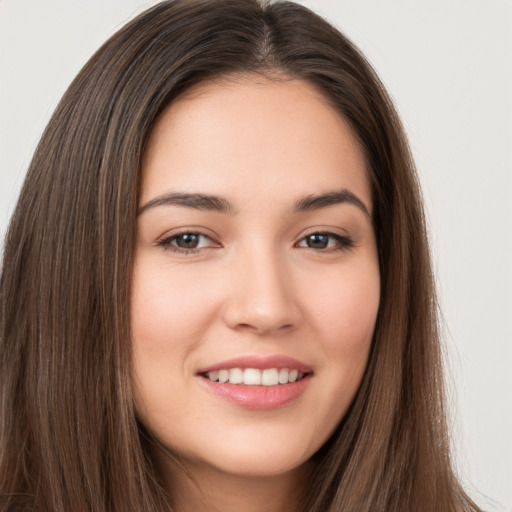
point(255, 382)
point(255, 377)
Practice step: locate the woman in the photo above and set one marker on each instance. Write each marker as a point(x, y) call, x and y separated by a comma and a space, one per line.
point(216, 284)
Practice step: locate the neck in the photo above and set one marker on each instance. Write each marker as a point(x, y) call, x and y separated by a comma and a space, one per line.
point(200, 488)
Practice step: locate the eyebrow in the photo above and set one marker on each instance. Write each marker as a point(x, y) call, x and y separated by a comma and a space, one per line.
point(318, 201)
point(208, 202)
point(197, 201)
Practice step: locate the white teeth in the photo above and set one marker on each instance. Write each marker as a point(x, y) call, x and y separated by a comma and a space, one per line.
point(252, 377)
point(255, 377)
point(270, 377)
point(283, 376)
point(292, 376)
point(236, 376)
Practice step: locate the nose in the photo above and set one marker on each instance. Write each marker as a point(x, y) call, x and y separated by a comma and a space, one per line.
point(261, 298)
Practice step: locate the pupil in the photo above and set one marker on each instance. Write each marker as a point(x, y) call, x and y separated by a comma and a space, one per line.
point(188, 241)
point(318, 241)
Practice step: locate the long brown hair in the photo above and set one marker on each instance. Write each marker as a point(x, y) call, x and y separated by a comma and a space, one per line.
point(69, 438)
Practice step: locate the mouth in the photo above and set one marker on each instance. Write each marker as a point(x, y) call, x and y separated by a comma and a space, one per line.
point(256, 382)
point(255, 376)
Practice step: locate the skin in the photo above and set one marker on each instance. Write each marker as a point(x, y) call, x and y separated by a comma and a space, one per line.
point(253, 286)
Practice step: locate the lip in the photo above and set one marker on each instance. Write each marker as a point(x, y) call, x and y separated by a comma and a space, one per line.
point(258, 397)
point(259, 362)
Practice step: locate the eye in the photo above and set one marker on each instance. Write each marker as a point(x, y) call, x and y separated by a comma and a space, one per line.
point(187, 242)
point(326, 241)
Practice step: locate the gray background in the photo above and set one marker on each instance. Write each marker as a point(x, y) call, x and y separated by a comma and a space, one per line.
point(448, 65)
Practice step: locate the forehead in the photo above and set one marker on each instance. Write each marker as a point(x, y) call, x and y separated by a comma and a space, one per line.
point(241, 135)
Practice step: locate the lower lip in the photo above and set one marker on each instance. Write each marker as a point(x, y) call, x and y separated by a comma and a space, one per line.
point(258, 397)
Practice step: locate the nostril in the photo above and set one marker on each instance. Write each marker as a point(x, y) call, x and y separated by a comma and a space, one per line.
point(260, 328)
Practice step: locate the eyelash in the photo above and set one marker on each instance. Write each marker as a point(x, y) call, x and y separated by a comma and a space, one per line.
point(166, 243)
point(343, 243)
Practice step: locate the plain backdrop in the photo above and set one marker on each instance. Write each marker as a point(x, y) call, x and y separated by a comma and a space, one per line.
point(448, 66)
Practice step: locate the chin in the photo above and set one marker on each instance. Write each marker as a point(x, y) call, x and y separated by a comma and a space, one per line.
point(255, 456)
point(261, 464)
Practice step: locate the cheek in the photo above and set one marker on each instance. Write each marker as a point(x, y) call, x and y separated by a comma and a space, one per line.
point(166, 315)
point(167, 324)
point(345, 307)
point(343, 313)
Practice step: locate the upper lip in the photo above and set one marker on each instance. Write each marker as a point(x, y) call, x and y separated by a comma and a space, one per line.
point(258, 362)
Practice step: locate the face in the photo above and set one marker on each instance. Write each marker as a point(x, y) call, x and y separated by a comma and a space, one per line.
point(256, 281)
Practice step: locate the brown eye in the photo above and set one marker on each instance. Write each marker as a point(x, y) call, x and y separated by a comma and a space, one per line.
point(187, 241)
point(326, 241)
point(317, 241)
